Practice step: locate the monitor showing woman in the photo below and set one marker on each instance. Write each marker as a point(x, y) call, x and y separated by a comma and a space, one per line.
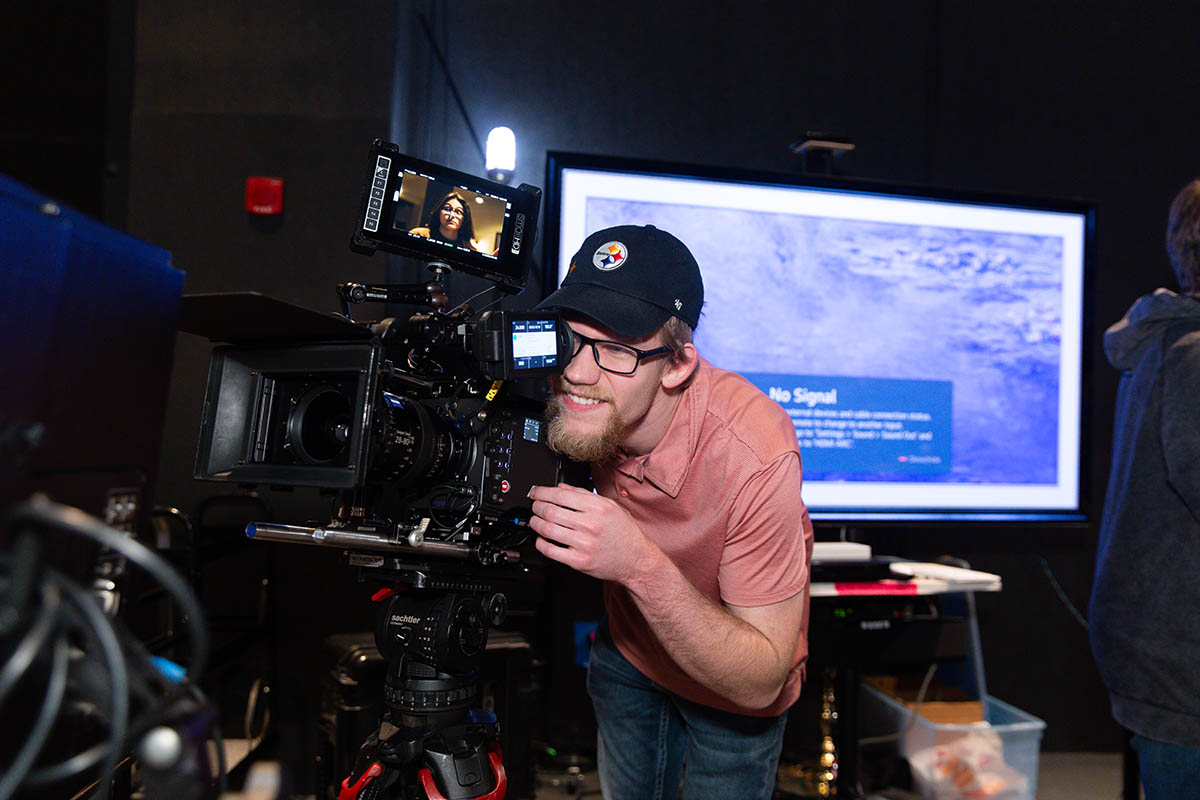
point(450, 221)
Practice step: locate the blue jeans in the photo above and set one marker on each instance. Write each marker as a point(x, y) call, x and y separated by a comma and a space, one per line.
point(650, 739)
point(1169, 771)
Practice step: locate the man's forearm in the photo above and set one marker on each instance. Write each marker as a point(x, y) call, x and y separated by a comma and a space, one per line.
point(726, 654)
point(741, 653)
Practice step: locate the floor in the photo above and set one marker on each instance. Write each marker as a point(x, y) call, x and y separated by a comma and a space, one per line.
point(1061, 776)
point(1079, 776)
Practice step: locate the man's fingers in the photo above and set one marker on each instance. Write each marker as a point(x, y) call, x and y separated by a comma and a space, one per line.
point(553, 512)
point(552, 551)
point(562, 495)
point(549, 549)
point(544, 510)
point(556, 533)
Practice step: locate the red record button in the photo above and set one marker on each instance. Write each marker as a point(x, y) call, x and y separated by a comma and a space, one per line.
point(504, 487)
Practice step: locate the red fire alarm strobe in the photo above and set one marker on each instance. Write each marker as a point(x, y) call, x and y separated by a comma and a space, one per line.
point(264, 195)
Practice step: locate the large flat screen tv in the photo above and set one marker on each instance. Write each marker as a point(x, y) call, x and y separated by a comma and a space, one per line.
point(928, 344)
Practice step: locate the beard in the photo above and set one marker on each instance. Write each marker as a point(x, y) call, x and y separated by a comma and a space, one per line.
point(577, 445)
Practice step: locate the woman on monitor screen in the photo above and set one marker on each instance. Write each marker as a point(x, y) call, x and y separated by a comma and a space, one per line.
point(450, 221)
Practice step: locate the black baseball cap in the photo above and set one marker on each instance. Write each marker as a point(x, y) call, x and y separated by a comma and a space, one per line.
point(631, 279)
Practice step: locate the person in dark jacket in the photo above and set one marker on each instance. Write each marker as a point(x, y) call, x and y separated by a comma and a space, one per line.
point(1145, 603)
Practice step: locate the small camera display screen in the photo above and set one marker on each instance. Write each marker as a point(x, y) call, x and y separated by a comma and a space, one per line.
point(534, 343)
point(451, 215)
point(533, 429)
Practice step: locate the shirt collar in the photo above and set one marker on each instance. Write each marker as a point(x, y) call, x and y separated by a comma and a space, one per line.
point(667, 464)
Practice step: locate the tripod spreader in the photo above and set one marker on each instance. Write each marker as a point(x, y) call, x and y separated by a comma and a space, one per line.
point(458, 770)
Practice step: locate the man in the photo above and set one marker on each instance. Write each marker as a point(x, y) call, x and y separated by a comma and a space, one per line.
point(1145, 619)
point(696, 527)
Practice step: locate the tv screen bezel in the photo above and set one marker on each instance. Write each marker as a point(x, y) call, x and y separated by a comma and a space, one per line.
point(1081, 515)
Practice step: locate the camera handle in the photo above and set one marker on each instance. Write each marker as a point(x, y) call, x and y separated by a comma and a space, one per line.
point(432, 293)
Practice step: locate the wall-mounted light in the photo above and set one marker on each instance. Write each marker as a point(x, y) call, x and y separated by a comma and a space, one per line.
point(501, 158)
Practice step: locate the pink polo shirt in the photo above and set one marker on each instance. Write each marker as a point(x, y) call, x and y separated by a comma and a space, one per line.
point(720, 494)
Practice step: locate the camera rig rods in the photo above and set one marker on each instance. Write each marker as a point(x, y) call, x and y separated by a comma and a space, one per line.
point(362, 540)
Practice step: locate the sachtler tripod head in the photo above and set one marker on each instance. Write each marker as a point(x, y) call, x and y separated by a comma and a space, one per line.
point(431, 742)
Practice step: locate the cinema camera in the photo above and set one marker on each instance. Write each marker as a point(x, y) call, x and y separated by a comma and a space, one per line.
point(411, 424)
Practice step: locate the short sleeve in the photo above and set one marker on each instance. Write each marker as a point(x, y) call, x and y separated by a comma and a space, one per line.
point(765, 559)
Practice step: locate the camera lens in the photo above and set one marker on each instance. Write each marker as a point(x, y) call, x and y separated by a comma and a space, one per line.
point(411, 447)
point(318, 428)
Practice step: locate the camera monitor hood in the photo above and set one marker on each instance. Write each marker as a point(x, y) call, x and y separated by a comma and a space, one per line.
point(251, 317)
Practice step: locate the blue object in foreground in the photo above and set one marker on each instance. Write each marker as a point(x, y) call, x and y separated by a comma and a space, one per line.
point(169, 669)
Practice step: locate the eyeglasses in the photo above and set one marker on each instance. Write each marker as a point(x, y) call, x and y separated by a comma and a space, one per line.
point(620, 359)
point(457, 212)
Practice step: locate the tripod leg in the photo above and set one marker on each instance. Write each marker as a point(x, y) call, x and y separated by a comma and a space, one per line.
point(350, 791)
point(371, 776)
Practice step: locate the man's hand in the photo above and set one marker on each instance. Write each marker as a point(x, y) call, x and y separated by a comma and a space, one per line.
point(589, 533)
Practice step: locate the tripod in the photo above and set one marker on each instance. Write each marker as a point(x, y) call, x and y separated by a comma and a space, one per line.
point(431, 744)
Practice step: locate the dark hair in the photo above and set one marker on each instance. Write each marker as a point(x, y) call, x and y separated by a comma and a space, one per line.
point(1183, 236)
point(466, 231)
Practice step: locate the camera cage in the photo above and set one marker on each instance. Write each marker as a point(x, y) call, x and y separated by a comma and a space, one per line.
point(297, 397)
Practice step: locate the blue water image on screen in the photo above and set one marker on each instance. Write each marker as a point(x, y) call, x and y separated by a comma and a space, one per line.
point(978, 312)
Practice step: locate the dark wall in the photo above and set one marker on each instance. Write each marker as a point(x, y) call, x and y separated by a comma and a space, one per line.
point(64, 102)
point(224, 92)
point(1074, 99)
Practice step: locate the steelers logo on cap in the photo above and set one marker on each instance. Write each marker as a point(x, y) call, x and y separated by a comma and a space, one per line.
point(610, 255)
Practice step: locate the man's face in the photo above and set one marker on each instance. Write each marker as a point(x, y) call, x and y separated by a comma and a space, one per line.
point(452, 215)
point(594, 412)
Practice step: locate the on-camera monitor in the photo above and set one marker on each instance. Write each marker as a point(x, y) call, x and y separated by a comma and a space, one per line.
point(926, 344)
point(453, 216)
point(424, 210)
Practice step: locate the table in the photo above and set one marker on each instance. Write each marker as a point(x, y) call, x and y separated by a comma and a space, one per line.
point(888, 624)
